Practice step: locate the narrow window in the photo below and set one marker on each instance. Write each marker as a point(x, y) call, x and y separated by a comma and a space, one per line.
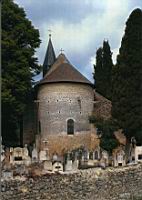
point(39, 126)
point(70, 127)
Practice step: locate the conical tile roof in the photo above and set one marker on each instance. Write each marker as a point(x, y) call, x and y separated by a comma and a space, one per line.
point(63, 71)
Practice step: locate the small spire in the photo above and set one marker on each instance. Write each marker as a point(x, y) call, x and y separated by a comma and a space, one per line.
point(50, 56)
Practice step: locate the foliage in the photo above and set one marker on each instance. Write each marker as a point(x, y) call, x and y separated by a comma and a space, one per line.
point(127, 79)
point(103, 69)
point(19, 65)
point(105, 129)
point(98, 71)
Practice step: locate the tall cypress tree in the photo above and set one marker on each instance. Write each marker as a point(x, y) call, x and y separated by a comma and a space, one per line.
point(127, 79)
point(107, 69)
point(98, 71)
point(103, 69)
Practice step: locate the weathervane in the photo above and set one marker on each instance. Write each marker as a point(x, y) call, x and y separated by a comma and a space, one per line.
point(61, 50)
point(50, 32)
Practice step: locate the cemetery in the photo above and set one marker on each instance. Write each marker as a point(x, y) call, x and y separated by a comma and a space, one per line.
point(24, 162)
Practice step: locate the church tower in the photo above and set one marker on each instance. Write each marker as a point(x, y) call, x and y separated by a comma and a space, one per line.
point(49, 57)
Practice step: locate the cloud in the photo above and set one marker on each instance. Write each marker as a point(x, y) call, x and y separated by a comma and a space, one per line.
point(79, 27)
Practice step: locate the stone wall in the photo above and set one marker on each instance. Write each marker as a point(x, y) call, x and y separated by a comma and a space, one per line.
point(59, 102)
point(61, 144)
point(92, 184)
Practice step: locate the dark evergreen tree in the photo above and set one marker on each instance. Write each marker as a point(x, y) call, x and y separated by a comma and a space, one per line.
point(103, 70)
point(98, 71)
point(107, 69)
point(19, 65)
point(127, 79)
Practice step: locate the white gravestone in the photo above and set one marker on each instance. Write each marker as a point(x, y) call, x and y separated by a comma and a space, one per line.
point(57, 167)
point(43, 155)
point(2, 153)
point(34, 155)
point(25, 152)
point(47, 165)
point(75, 165)
point(138, 153)
point(68, 166)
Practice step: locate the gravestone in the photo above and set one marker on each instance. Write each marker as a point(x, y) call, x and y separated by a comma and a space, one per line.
point(55, 157)
point(27, 161)
point(105, 157)
point(57, 167)
point(138, 154)
point(75, 165)
point(7, 174)
point(34, 155)
point(85, 155)
point(103, 163)
point(25, 152)
point(47, 165)
point(17, 155)
point(2, 153)
point(43, 155)
point(68, 166)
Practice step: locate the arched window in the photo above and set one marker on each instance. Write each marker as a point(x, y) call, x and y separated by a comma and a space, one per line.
point(70, 127)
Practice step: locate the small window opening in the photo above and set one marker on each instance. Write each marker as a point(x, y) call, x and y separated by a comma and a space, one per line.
point(140, 156)
point(39, 126)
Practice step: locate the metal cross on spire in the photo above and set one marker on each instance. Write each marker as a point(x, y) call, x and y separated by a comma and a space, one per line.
point(50, 32)
point(61, 50)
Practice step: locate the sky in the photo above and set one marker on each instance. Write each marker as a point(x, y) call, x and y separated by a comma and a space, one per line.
point(79, 27)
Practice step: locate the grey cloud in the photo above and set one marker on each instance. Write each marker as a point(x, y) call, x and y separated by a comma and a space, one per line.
point(71, 11)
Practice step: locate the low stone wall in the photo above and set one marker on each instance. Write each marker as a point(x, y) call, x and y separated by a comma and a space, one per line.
point(92, 184)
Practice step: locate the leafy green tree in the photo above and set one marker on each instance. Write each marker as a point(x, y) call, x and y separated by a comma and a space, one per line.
point(127, 79)
point(103, 70)
point(106, 128)
point(19, 66)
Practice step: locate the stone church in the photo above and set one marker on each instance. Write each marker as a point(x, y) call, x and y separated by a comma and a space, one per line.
point(64, 101)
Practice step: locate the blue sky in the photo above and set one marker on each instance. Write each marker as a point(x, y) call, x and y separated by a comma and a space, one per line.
point(79, 27)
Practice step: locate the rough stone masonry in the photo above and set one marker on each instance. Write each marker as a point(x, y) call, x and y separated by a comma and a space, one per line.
point(91, 184)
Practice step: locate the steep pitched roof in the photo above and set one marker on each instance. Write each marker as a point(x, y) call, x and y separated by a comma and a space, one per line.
point(63, 71)
point(49, 57)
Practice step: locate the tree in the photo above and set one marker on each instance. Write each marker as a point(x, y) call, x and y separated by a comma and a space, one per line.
point(105, 130)
point(19, 66)
point(103, 70)
point(98, 71)
point(127, 79)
